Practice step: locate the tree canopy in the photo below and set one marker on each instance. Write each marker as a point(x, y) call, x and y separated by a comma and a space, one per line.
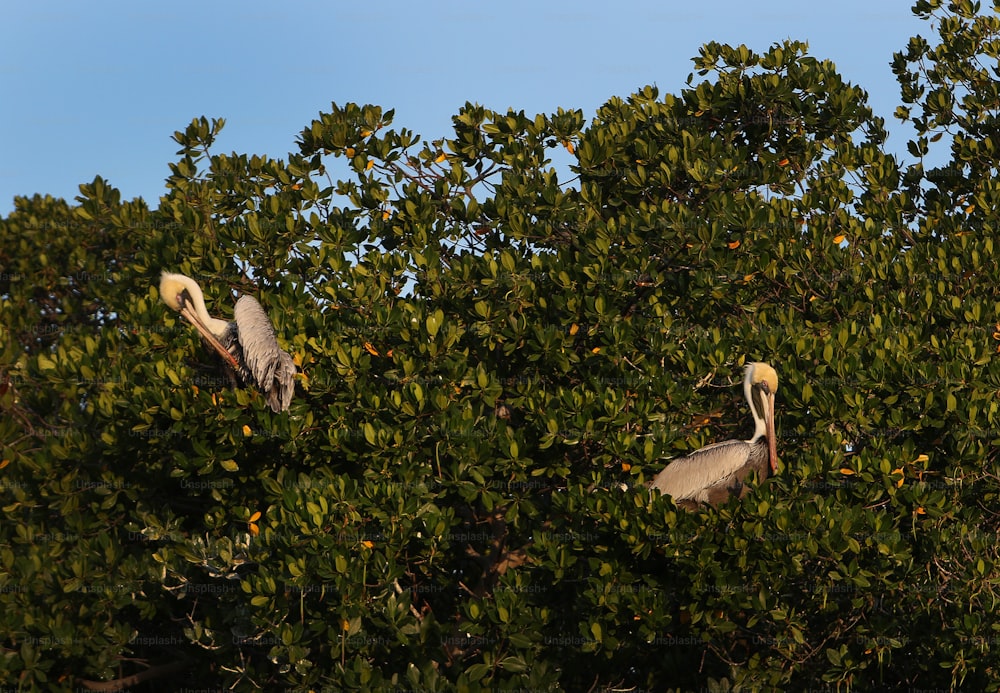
point(494, 355)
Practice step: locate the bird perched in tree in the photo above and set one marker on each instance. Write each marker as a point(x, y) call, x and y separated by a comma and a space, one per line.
point(247, 344)
point(715, 472)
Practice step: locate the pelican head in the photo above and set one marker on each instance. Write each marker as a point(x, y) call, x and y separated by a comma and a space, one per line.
point(760, 385)
point(183, 294)
point(173, 286)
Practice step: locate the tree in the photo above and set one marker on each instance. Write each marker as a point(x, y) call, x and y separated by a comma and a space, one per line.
point(488, 352)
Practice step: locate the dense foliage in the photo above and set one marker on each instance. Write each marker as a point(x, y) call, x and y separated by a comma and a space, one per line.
point(490, 349)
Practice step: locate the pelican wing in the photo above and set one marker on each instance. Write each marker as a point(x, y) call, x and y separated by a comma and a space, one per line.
point(270, 366)
point(690, 477)
point(280, 395)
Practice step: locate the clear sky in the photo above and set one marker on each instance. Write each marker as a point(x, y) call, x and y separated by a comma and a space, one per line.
point(98, 88)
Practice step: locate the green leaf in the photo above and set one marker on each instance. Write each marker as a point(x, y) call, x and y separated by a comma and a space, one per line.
point(595, 630)
point(434, 321)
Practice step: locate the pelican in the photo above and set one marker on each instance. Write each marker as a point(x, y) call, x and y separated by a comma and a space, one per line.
point(716, 472)
point(247, 344)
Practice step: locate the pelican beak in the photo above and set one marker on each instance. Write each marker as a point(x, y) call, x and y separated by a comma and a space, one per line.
point(192, 318)
point(772, 443)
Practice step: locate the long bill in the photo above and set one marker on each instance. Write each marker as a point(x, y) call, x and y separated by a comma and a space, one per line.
point(193, 318)
point(772, 443)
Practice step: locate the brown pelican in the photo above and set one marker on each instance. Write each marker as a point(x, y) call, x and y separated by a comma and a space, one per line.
point(247, 344)
point(715, 472)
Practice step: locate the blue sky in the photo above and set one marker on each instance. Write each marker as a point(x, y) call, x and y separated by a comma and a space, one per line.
point(98, 88)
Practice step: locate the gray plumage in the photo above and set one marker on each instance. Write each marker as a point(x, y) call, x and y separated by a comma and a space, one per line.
point(712, 474)
point(272, 369)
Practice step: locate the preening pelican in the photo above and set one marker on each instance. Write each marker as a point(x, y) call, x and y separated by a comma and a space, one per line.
point(716, 472)
point(247, 344)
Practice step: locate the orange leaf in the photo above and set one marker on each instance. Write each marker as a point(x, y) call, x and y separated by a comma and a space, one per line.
point(367, 544)
point(370, 349)
point(569, 146)
point(783, 162)
point(626, 466)
point(254, 529)
point(574, 328)
point(733, 245)
point(595, 350)
point(440, 157)
point(297, 186)
point(902, 476)
point(920, 511)
point(368, 166)
point(4, 463)
point(350, 152)
point(386, 214)
point(255, 516)
point(846, 472)
point(246, 431)
point(365, 133)
point(838, 239)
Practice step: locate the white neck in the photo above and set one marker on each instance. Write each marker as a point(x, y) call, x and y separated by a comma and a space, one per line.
point(215, 325)
point(760, 427)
